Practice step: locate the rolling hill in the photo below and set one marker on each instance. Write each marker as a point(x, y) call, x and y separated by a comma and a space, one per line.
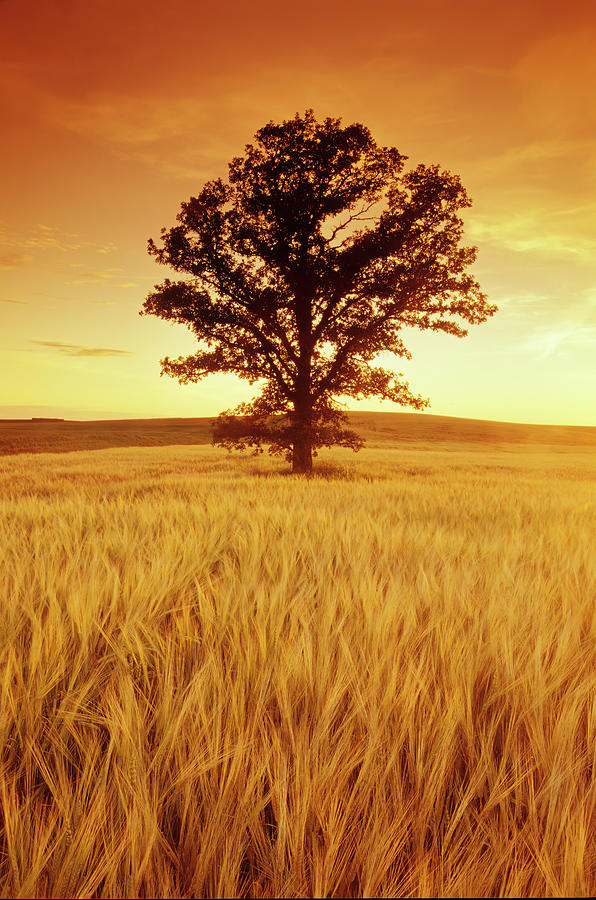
point(378, 428)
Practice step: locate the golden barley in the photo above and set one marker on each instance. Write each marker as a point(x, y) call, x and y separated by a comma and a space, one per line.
point(219, 680)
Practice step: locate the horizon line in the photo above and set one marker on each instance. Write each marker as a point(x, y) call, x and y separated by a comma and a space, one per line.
point(119, 418)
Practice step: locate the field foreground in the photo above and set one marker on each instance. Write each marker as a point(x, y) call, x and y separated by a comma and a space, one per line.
point(217, 680)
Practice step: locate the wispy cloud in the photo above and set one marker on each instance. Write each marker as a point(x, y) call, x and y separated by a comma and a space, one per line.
point(570, 335)
point(530, 233)
point(549, 342)
point(129, 118)
point(80, 350)
point(137, 128)
point(518, 304)
point(20, 302)
point(45, 237)
point(13, 260)
point(523, 158)
point(98, 275)
point(556, 76)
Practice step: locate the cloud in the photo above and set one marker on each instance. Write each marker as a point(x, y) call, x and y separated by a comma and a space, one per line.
point(532, 157)
point(531, 232)
point(126, 120)
point(549, 341)
point(44, 237)
point(48, 237)
point(80, 350)
point(556, 78)
point(96, 275)
point(20, 302)
point(13, 260)
point(160, 131)
point(569, 335)
point(518, 304)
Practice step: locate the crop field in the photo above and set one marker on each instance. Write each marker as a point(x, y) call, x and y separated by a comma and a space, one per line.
point(220, 680)
point(378, 429)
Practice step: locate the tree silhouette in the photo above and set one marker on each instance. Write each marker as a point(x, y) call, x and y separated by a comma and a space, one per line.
point(306, 265)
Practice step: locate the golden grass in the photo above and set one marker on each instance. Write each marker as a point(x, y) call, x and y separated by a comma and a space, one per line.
point(217, 680)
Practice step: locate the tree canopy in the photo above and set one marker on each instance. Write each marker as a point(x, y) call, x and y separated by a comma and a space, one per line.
point(305, 265)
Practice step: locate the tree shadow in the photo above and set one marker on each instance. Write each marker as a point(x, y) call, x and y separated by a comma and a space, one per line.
point(322, 471)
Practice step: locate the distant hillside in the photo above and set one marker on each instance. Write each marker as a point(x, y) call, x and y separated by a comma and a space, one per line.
point(378, 429)
point(30, 436)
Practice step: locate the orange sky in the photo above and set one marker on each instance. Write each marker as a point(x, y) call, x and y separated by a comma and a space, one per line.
point(114, 111)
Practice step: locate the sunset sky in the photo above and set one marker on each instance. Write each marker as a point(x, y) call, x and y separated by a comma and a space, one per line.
point(115, 111)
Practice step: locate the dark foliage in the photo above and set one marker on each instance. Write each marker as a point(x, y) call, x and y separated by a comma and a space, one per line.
point(306, 265)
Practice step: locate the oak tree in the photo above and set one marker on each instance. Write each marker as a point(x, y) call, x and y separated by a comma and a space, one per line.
point(305, 265)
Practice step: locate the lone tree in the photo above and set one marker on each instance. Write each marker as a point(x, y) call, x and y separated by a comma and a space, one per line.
point(303, 267)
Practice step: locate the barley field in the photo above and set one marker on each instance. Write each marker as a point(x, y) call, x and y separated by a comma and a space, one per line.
point(220, 680)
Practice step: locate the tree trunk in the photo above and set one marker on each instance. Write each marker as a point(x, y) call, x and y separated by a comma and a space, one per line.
point(302, 451)
point(302, 448)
